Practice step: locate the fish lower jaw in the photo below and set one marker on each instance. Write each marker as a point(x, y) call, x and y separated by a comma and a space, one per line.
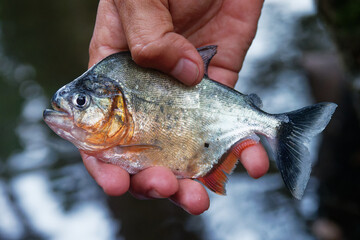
point(73, 135)
point(57, 119)
point(59, 122)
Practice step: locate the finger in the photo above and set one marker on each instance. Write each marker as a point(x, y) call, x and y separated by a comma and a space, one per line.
point(255, 160)
point(108, 36)
point(153, 43)
point(114, 180)
point(154, 182)
point(191, 196)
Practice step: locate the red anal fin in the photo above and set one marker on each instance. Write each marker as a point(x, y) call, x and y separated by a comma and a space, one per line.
point(216, 179)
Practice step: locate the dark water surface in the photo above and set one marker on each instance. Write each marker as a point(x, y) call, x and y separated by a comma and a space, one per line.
point(45, 191)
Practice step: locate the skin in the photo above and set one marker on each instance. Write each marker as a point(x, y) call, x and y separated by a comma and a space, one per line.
point(164, 35)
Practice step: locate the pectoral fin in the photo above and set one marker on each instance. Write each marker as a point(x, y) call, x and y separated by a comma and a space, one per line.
point(136, 148)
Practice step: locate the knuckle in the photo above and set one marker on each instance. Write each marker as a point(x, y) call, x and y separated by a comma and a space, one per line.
point(145, 53)
point(92, 48)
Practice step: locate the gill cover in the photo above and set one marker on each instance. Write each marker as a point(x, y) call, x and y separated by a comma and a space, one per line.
point(100, 110)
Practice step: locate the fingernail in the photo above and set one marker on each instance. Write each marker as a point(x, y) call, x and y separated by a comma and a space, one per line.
point(186, 71)
point(154, 194)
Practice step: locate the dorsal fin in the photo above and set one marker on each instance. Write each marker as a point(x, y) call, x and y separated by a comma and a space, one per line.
point(207, 53)
point(255, 99)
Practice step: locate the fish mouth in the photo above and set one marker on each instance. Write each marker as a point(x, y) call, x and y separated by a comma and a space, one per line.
point(56, 117)
point(60, 118)
point(60, 122)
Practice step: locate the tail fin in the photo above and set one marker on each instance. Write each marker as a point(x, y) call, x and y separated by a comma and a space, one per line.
point(292, 154)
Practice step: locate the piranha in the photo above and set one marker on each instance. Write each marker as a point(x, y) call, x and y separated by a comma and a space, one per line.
point(137, 117)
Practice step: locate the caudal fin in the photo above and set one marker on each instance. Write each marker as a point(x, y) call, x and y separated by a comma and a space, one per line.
point(292, 155)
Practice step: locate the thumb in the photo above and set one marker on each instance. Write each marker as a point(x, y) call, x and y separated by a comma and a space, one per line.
point(150, 35)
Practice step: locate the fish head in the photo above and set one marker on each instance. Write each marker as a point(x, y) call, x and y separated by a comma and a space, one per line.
point(91, 113)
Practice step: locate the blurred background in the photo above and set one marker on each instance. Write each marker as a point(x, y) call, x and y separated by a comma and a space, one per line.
point(304, 52)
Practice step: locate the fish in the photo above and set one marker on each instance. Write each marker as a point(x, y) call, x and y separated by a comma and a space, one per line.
point(137, 117)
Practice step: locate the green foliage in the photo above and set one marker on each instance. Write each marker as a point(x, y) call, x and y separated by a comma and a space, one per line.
point(347, 15)
point(52, 36)
point(343, 18)
point(10, 108)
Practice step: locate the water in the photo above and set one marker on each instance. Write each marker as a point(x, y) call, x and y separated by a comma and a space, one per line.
point(45, 191)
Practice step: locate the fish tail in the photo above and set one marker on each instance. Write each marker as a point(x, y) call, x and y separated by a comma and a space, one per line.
point(291, 153)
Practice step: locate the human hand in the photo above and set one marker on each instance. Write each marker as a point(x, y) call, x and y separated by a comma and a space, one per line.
point(164, 35)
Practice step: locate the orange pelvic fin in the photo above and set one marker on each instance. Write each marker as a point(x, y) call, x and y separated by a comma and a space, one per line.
point(216, 179)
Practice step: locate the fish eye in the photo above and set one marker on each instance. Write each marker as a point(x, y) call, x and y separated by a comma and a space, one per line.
point(81, 100)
